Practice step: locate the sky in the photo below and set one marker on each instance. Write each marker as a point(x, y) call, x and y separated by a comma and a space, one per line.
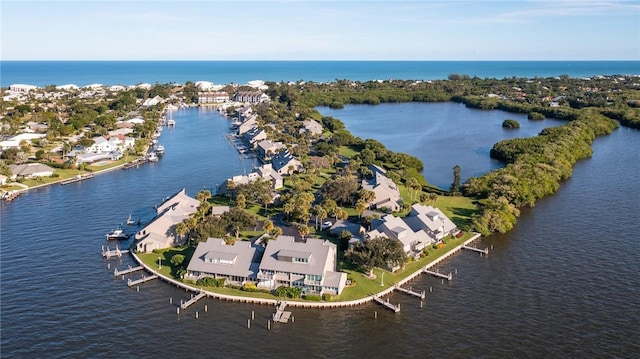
point(320, 30)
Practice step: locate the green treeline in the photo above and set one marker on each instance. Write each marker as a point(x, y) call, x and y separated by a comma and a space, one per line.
point(535, 168)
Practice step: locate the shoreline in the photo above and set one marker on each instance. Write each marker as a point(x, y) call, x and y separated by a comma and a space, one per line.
point(301, 304)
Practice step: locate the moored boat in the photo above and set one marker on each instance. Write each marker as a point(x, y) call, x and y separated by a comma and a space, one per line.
point(117, 233)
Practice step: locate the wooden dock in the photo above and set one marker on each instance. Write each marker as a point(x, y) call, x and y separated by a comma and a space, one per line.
point(281, 316)
point(480, 250)
point(185, 305)
point(108, 252)
point(395, 308)
point(440, 275)
point(77, 178)
point(117, 272)
point(10, 196)
point(144, 279)
point(409, 291)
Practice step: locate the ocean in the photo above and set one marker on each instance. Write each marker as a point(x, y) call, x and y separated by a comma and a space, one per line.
point(82, 73)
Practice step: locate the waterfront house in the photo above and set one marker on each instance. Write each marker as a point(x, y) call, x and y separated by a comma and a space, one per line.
point(237, 263)
point(253, 136)
point(248, 124)
point(264, 172)
point(424, 225)
point(253, 97)
point(152, 101)
point(30, 170)
point(92, 157)
point(284, 162)
point(160, 232)
point(387, 194)
point(266, 149)
point(213, 97)
point(395, 228)
point(430, 219)
point(309, 264)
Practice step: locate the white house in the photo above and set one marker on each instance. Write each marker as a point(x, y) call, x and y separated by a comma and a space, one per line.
point(22, 88)
point(29, 170)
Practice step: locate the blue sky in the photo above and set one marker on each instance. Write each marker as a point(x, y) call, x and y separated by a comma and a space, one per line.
point(320, 30)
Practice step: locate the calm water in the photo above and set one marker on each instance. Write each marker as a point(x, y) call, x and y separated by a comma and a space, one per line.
point(563, 284)
point(82, 73)
point(442, 135)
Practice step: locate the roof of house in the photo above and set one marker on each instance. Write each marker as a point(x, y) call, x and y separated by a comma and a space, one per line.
point(319, 253)
point(342, 225)
point(216, 257)
point(29, 169)
point(394, 227)
point(432, 218)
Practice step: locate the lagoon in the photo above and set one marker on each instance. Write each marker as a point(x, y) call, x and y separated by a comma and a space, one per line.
point(442, 134)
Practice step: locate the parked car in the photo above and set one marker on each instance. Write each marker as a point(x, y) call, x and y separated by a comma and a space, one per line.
point(327, 225)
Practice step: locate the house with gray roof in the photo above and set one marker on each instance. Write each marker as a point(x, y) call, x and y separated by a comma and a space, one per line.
point(160, 232)
point(29, 170)
point(430, 219)
point(396, 228)
point(387, 194)
point(309, 264)
point(237, 263)
point(424, 225)
point(285, 163)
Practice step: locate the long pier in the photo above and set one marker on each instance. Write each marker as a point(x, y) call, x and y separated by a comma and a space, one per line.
point(144, 279)
point(117, 272)
point(439, 275)
point(108, 252)
point(409, 291)
point(480, 250)
point(185, 305)
point(395, 308)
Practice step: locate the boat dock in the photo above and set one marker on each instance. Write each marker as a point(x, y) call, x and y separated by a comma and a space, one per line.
point(144, 279)
point(77, 178)
point(135, 163)
point(117, 272)
point(185, 305)
point(10, 196)
point(440, 275)
point(481, 251)
point(409, 291)
point(395, 308)
point(281, 316)
point(108, 252)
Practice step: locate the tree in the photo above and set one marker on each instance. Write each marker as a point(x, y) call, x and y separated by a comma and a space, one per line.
point(277, 231)
point(177, 260)
point(413, 185)
point(320, 213)
point(267, 225)
point(341, 189)
point(376, 252)
point(241, 201)
point(360, 207)
point(203, 196)
point(455, 185)
point(182, 229)
point(303, 230)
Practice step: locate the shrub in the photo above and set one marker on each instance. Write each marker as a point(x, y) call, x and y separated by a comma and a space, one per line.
point(510, 123)
point(326, 297)
point(536, 116)
point(313, 297)
point(211, 282)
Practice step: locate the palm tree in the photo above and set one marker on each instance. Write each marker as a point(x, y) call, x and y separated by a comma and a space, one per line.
point(181, 229)
point(277, 231)
point(303, 230)
point(360, 207)
point(267, 225)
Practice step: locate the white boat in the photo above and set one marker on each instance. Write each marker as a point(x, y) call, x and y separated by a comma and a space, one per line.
point(160, 149)
point(152, 156)
point(117, 233)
